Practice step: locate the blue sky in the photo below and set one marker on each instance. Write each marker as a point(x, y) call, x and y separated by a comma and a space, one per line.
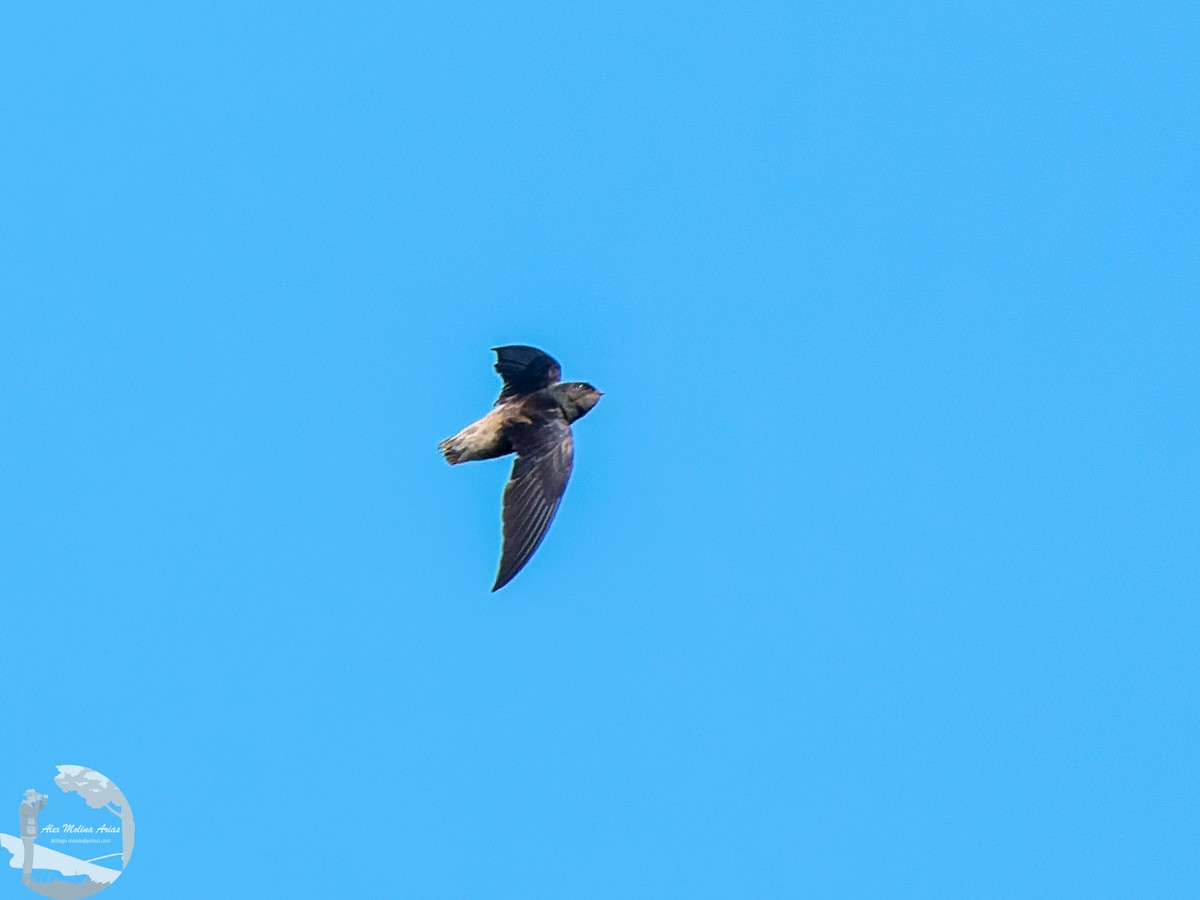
point(877, 575)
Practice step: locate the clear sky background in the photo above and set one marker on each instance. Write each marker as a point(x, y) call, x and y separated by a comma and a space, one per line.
point(878, 572)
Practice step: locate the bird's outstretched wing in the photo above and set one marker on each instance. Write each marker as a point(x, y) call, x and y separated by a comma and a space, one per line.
point(535, 487)
point(525, 370)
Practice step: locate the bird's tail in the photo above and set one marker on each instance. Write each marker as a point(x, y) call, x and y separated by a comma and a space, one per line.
point(453, 448)
point(479, 440)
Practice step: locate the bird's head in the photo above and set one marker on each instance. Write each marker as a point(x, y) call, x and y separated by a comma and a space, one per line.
point(577, 397)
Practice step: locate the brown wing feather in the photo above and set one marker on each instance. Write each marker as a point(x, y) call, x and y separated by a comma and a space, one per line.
point(535, 487)
point(525, 370)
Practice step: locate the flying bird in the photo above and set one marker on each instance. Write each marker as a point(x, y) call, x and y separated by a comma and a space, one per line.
point(532, 418)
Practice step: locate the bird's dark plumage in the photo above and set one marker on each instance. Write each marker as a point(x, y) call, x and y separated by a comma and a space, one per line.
point(539, 476)
point(532, 418)
point(524, 370)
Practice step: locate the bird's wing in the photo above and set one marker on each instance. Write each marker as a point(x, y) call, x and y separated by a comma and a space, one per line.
point(524, 370)
point(535, 487)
